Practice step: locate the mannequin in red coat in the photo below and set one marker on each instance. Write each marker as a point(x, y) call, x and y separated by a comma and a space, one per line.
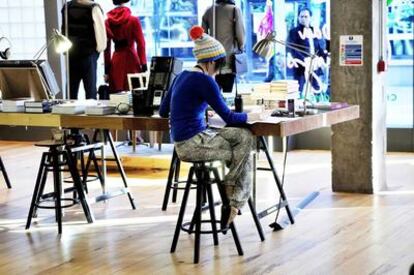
point(129, 56)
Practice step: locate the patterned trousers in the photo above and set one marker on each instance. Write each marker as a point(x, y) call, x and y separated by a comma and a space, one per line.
point(231, 145)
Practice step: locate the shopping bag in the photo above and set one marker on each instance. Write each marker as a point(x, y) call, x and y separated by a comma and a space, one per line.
point(240, 63)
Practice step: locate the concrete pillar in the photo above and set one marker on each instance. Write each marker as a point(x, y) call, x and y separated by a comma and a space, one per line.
point(358, 147)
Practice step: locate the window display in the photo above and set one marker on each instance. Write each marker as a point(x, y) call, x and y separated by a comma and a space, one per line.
point(23, 23)
point(166, 22)
point(399, 87)
point(165, 25)
point(400, 29)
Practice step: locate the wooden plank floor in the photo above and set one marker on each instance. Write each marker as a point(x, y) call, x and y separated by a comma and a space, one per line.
point(337, 234)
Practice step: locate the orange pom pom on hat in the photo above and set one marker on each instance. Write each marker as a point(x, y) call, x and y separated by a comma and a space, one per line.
point(206, 48)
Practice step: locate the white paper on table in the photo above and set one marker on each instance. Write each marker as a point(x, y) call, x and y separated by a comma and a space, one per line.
point(217, 122)
point(273, 120)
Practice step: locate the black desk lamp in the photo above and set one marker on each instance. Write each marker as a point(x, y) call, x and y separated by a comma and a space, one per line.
point(264, 48)
point(60, 42)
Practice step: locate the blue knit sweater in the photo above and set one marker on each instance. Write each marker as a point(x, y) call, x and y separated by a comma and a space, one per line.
point(187, 101)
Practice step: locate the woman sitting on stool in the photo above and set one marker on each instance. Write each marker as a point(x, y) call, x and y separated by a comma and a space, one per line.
point(187, 101)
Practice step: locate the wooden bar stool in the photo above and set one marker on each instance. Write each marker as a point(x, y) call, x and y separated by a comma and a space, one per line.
point(203, 181)
point(54, 161)
point(205, 176)
point(5, 176)
point(173, 183)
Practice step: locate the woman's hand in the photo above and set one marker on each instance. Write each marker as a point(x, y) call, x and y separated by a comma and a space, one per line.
point(210, 113)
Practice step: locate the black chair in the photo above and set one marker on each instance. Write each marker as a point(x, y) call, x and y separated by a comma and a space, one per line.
point(55, 160)
point(203, 181)
point(5, 176)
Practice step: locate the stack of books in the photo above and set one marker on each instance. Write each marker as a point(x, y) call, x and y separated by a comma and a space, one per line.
point(42, 106)
point(284, 89)
point(101, 108)
point(277, 90)
point(121, 97)
point(72, 107)
point(276, 94)
point(15, 105)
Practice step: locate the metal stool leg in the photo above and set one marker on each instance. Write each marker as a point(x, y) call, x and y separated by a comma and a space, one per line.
point(232, 227)
point(212, 213)
point(6, 177)
point(192, 223)
point(182, 211)
point(57, 188)
point(78, 185)
point(174, 160)
point(176, 179)
point(193, 219)
point(42, 183)
point(84, 169)
point(236, 239)
point(36, 192)
point(97, 170)
point(199, 201)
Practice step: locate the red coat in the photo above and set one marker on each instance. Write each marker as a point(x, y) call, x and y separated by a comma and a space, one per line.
point(129, 56)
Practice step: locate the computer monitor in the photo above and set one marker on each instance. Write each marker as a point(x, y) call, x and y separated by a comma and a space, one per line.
point(163, 70)
point(27, 78)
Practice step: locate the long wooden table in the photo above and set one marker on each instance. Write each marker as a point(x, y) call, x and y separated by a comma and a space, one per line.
point(274, 126)
point(271, 127)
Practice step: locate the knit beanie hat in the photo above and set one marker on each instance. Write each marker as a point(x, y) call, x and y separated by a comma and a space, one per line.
point(206, 48)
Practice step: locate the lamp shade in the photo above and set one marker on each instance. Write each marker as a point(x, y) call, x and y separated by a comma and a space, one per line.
point(60, 42)
point(265, 47)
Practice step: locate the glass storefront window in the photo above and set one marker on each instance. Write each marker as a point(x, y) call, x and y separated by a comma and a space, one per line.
point(166, 23)
point(23, 23)
point(400, 29)
point(399, 86)
point(281, 66)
